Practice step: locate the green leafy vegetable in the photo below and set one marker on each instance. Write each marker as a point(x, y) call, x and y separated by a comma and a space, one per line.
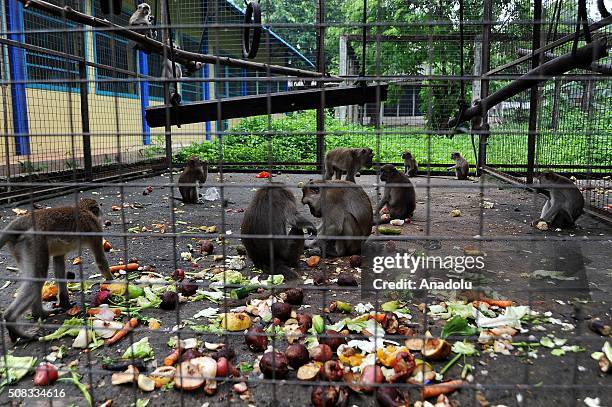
point(15, 369)
point(70, 327)
point(140, 350)
point(457, 325)
point(233, 277)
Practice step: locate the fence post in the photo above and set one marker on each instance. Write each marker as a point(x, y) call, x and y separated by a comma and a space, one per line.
point(535, 93)
point(87, 161)
point(320, 19)
point(485, 62)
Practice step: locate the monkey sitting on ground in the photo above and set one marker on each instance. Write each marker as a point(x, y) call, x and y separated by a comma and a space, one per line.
point(400, 200)
point(349, 160)
point(345, 210)
point(195, 171)
point(565, 202)
point(411, 167)
point(273, 211)
point(461, 166)
point(31, 251)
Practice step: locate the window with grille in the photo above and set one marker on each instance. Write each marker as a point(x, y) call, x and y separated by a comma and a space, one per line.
point(58, 73)
point(112, 50)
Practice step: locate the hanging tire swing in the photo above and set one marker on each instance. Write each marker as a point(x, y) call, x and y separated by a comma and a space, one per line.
point(252, 16)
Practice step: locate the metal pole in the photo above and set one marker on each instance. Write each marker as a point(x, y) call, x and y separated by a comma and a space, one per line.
point(87, 161)
point(485, 61)
point(320, 19)
point(167, 127)
point(535, 93)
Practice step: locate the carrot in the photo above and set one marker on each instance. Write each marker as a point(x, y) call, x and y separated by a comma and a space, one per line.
point(128, 267)
point(172, 358)
point(435, 390)
point(122, 333)
point(378, 317)
point(96, 311)
point(497, 303)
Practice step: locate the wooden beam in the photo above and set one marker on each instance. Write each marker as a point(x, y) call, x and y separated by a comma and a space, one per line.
point(570, 37)
point(181, 56)
point(605, 69)
point(583, 59)
point(247, 106)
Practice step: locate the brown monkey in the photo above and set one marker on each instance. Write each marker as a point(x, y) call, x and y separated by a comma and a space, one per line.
point(400, 200)
point(273, 211)
point(349, 160)
point(345, 210)
point(195, 171)
point(461, 166)
point(31, 251)
point(411, 167)
point(565, 202)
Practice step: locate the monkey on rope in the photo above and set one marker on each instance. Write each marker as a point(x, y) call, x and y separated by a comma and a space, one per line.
point(273, 211)
point(31, 251)
point(349, 160)
point(461, 167)
point(564, 204)
point(400, 200)
point(411, 168)
point(195, 171)
point(345, 210)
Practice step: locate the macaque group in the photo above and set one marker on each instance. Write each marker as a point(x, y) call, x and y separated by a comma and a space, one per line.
point(194, 173)
point(32, 251)
point(564, 203)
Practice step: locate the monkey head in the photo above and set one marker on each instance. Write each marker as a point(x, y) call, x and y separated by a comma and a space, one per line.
point(388, 172)
point(455, 156)
point(144, 9)
point(407, 155)
point(90, 205)
point(311, 196)
point(547, 176)
point(194, 162)
point(365, 155)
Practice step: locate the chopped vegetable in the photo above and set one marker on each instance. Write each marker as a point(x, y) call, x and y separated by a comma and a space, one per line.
point(129, 326)
point(140, 350)
point(70, 327)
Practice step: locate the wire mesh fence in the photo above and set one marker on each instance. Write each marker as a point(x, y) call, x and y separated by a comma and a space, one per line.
point(471, 296)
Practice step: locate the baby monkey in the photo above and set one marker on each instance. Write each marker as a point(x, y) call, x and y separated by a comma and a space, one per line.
point(461, 166)
point(31, 251)
point(411, 168)
point(195, 171)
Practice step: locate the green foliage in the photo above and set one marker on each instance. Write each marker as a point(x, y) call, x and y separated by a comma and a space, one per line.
point(292, 138)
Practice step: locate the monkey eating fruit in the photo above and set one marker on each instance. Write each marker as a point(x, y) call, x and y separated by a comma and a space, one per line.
point(195, 171)
point(461, 166)
point(400, 200)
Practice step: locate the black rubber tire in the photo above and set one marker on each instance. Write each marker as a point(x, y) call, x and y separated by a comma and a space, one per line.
point(250, 44)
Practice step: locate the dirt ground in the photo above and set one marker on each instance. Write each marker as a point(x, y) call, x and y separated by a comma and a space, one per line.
point(513, 251)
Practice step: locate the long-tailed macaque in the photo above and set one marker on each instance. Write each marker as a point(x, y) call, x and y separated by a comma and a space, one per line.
point(273, 211)
point(31, 251)
point(349, 160)
point(400, 199)
point(565, 202)
point(195, 171)
point(461, 167)
point(345, 210)
point(411, 168)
